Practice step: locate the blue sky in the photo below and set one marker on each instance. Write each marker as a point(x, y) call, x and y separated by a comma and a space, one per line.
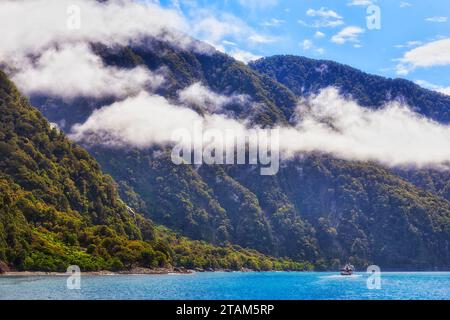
point(331, 29)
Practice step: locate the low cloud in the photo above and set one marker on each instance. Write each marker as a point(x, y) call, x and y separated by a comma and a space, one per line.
point(329, 123)
point(224, 30)
point(200, 96)
point(75, 71)
point(214, 29)
point(44, 23)
point(49, 51)
point(143, 121)
point(393, 135)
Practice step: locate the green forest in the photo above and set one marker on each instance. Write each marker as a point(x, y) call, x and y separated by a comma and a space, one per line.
point(57, 209)
point(318, 212)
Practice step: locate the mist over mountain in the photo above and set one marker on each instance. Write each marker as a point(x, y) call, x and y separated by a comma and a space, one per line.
point(364, 171)
point(308, 76)
point(305, 76)
point(317, 208)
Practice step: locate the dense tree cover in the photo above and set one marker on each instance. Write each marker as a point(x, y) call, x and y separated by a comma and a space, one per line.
point(55, 197)
point(201, 254)
point(304, 76)
point(57, 208)
point(359, 212)
point(436, 181)
point(316, 209)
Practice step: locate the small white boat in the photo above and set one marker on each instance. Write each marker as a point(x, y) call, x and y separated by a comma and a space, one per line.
point(347, 270)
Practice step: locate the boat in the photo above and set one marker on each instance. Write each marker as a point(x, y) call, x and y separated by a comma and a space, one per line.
point(347, 270)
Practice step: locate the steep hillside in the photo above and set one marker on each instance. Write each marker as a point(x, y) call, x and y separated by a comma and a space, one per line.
point(57, 208)
point(358, 211)
point(316, 209)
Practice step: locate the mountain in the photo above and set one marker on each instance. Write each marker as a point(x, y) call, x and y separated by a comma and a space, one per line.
point(57, 208)
point(305, 76)
point(181, 68)
point(317, 208)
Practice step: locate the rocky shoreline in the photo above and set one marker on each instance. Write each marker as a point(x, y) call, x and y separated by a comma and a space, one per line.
point(134, 271)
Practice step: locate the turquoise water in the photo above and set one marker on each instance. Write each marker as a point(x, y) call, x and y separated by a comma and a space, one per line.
point(235, 285)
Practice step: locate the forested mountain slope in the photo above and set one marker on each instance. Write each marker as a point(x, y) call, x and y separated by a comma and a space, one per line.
point(316, 208)
point(57, 208)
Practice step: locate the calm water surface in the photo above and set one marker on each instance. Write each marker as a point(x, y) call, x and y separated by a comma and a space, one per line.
point(235, 285)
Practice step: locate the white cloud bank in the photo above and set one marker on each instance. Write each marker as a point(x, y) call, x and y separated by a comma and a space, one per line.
point(146, 120)
point(46, 22)
point(393, 136)
point(75, 71)
point(45, 54)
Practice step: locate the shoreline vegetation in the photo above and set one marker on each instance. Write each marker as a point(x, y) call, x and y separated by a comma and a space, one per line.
point(134, 271)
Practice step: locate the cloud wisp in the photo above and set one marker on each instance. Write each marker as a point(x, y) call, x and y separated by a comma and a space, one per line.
point(437, 19)
point(325, 18)
point(197, 95)
point(328, 123)
point(348, 34)
point(73, 71)
point(431, 54)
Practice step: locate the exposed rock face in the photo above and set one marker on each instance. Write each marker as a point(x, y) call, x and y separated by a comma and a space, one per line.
point(3, 267)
